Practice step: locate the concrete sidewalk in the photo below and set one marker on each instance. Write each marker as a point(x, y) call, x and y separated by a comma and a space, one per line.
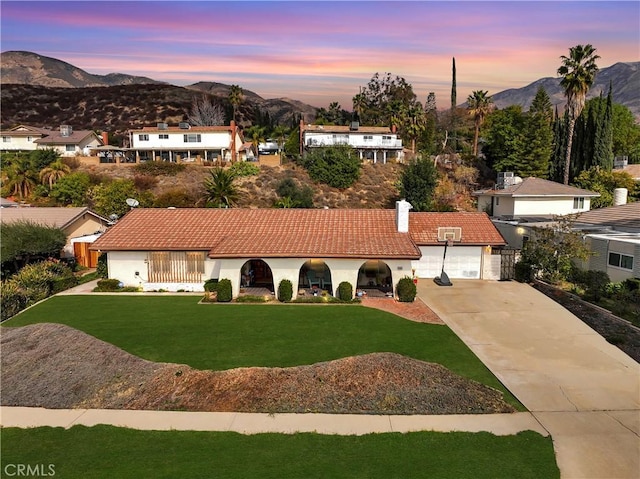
point(583, 390)
point(250, 423)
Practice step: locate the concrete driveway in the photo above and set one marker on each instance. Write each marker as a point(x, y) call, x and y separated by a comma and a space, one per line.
point(582, 390)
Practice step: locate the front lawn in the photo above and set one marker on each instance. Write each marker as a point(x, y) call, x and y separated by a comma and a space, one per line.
point(106, 451)
point(216, 336)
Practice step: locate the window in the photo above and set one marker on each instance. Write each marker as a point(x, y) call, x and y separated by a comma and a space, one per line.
point(578, 203)
point(163, 136)
point(70, 147)
point(368, 137)
point(620, 260)
point(143, 137)
point(497, 201)
point(29, 139)
point(6, 139)
point(192, 138)
point(176, 266)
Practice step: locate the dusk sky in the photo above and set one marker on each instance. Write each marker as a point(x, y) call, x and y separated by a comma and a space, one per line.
point(318, 52)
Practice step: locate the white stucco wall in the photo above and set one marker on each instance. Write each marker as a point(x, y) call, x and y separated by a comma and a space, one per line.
point(547, 206)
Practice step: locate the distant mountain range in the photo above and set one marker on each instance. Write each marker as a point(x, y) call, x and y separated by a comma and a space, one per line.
point(45, 91)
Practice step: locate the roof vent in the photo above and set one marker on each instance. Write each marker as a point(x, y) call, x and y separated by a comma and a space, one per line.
point(355, 125)
point(162, 126)
point(184, 125)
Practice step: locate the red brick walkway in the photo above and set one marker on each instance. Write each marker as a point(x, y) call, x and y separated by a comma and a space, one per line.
point(416, 311)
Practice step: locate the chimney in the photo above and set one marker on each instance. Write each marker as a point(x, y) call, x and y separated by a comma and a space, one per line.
point(65, 130)
point(402, 215)
point(232, 127)
point(105, 138)
point(394, 129)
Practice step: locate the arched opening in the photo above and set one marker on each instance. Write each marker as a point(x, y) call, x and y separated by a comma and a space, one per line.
point(374, 278)
point(315, 277)
point(256, 277)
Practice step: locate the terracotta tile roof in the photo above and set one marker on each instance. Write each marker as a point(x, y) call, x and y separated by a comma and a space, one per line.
point(536, 187)
point(262, 233)
point(477, 228)
point(622, 216)
point(53, 216)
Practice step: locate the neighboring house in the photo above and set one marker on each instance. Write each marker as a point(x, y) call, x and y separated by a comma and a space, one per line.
point(81, 225)
point(22, 138)
point(186, 143)
point(178, 249)
point(516, 205)
point(373, 143)
point(532, 197)
point(68, 142)
point(613, 235)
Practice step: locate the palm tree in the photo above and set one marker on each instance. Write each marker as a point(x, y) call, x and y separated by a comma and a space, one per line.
point(280, 132)
point(413, 122)
point(52, 173)
point(578, 72)
point(220, 190)
point(235, 98)
point(20, 178)
point(479, 106)
point(256, 133)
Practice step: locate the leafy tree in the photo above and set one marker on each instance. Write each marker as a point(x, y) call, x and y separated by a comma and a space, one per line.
point(205, 113)
point(71, 190)
point(292, 196)
point(504, 147)
point(479, 106)
point(54, 172)
point(23, 242)
point(235, 98)
point(551, 251)
point(221, 192)
point(337, 166)
point(578, 72)
point(383, 98)
point(292, 145)
point(111, 198)
point(418, 182)
point(19, 178)
point(604, 182)
point(335, 115)
point(177, 198)
point(538, 136)
point(41, 158)
point(626, 133)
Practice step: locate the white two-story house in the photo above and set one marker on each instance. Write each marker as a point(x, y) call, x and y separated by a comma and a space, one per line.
point(374, 143)
point(186, 143)
point(516, 205)
point(66, 141)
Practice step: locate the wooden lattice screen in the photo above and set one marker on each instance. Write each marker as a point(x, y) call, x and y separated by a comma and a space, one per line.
point(176, 266)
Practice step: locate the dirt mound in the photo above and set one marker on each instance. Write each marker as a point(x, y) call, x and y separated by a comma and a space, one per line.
point(55, 366)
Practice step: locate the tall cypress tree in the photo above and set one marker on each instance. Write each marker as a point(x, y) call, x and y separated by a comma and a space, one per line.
point(454, 94)
point(603, 140)
point(556, 166)
point(538, 136)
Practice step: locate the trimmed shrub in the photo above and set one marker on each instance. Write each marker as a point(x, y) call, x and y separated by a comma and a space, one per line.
point(595, 283)
point(61, 284)
point(523, 272)
point(345, 291)
point(251, 298)
point(12, 299)
point(406, 290)
point(285, 290)
point(243, 168)
point(108, 285)
point(225, 291)
point(101, 267)
point(211, 285)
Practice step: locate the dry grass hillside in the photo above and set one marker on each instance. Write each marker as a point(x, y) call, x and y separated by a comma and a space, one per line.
point(375, 188)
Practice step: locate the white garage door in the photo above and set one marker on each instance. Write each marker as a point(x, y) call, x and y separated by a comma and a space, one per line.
point(462, 262)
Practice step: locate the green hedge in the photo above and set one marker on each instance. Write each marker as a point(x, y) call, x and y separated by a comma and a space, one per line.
point(285, 290)
point(406, 290)
point(345, 291)
point(225, 291)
